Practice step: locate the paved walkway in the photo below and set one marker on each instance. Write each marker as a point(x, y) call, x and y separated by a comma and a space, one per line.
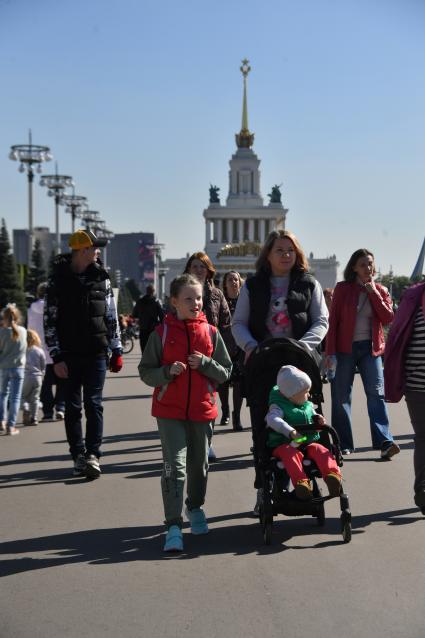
point(83, 559)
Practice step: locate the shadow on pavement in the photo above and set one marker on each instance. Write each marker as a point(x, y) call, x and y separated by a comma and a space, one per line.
point(125, 544)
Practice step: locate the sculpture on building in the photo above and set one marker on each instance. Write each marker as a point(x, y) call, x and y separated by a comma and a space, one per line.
point(275, 195)
point(214, 194)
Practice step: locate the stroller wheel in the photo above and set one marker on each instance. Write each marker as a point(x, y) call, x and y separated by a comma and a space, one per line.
point(346, 526)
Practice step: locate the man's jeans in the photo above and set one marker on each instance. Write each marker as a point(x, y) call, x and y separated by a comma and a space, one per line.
point(371, 372)
point(86, 374)
point(11, 382)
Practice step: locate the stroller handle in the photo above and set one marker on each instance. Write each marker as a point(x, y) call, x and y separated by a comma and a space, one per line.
point(312, 427)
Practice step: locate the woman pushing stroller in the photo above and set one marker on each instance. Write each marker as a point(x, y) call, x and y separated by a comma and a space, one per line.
point(288, 407)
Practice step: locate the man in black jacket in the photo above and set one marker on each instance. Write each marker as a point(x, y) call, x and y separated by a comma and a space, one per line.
point(81, 328)
point(149, 312)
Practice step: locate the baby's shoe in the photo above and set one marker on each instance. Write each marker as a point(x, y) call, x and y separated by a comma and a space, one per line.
point(197, 520)
point(333, 481)
point(303, 490)
point(174, 540)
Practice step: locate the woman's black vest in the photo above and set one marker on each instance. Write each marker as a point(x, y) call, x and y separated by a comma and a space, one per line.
point(81, 325)
point(298, 300)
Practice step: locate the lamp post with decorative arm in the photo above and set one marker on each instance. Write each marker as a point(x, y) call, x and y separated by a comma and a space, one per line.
point(29, 155)
point(56, 185)
point(75, 205)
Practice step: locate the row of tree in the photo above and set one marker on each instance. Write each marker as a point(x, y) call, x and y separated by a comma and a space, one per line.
point(20, 285)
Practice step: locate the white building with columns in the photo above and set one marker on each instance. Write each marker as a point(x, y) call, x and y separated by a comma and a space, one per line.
point(236, 231)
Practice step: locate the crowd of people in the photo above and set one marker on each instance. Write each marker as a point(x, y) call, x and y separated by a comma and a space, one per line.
point(200, 348)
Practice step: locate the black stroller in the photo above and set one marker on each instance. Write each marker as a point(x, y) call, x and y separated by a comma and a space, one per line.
point(260, 376)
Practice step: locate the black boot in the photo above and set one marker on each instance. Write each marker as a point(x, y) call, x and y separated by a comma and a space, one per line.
point(236, 420)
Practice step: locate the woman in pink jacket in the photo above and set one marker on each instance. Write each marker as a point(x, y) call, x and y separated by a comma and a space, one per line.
point(360, 307)
point(405, 374)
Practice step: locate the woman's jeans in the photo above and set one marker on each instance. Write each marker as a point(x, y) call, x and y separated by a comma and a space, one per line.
point(11, 382)
point(371, 373)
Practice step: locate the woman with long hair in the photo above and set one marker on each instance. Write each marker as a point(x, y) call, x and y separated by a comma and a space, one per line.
point(360, 309)
point(215, 308)
point(232, 283)
point(13, 347)
point(282, 299)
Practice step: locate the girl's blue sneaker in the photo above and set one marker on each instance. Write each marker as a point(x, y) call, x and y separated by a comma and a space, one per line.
point(174, 540)
point(197, 520)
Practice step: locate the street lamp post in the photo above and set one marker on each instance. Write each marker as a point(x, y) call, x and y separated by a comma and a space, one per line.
point(101, 230)
point(28, 155)
point(90, 218)
point(56, 185)
point(75, 205)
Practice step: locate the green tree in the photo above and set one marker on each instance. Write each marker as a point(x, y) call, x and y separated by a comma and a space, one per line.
point(10, 289)
point(125, 301)
point(133, 289)
point(37, 273)
point(396, 284)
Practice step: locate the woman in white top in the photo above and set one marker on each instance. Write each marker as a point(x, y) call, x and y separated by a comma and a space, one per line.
point(281, 300)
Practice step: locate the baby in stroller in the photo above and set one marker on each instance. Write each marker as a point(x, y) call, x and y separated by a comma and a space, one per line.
point(289, 407)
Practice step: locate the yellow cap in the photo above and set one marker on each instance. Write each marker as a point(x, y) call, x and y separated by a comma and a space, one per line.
point(85, 239)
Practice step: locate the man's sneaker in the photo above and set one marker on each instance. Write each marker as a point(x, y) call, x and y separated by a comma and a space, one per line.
point(3, 426)
point(80, 465)
point(303, 490)
point(197, 520)
point(47, 417)
point(26, 417)
point(258, 502)
point(11, 430)
point(60, 415)
point(92, 467)
point(174, 540)
point(333, 482)
point(389, 451)
point(33, 422)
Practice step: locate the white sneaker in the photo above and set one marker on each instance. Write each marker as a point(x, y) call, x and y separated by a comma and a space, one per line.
point(60, 415)
point(92, 467)
point(259, 501)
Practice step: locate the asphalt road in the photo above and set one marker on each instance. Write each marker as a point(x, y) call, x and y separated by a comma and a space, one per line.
point(84, 559)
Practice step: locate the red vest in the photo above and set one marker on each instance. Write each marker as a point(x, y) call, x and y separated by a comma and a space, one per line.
point(191, 395)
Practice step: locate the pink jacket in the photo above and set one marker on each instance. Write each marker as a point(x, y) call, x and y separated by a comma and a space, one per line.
point(342, 319)
point(398, 340)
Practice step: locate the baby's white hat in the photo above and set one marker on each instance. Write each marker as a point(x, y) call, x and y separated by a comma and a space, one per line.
point(291, 380)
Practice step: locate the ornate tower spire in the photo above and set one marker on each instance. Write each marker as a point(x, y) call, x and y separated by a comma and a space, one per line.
point(244, 139)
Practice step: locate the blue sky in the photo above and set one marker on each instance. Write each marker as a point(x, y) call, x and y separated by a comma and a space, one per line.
point(140, 100)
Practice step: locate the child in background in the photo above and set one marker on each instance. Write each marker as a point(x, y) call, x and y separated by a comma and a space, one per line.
point(13, 346)
point(184, 359)
point(34, 371)
point(288, 407)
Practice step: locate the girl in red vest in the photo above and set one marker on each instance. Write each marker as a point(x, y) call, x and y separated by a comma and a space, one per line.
point(184, 359)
